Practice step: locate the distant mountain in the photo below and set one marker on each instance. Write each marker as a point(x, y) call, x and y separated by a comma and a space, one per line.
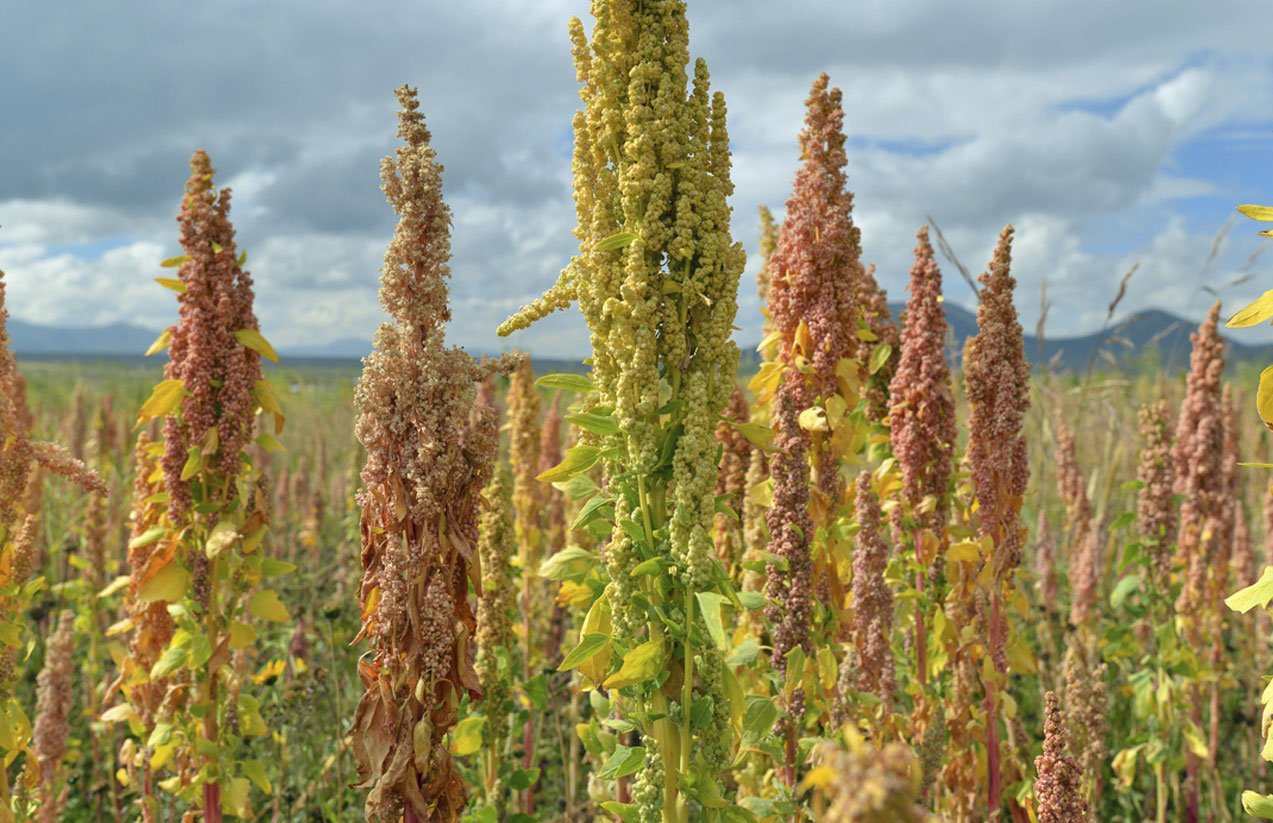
point(1151, 330)
point(115, 340)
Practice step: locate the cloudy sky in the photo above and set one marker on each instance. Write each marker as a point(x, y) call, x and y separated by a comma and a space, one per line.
point(1107, 133)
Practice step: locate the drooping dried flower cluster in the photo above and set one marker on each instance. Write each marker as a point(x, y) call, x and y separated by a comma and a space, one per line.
point(425, 471)
point(1155, 511)
point(18, 453)
point(872, 598)
point(922, 425)
point(53, 710)
point(1058, 788)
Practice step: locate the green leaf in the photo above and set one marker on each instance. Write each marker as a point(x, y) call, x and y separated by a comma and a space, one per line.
point(645, 662)
point(709, 603)
point(1256, 312)
point(571, 563)
point(165, 399)
point(627, 812)
point(1262, 213)
point(252, 339)
point(523, 779)
point(759, 719)
point(161, 342)
point(602, 424)
point(173, 658)
point(1258, 593)
point(254, 770)
point(270, 567)
point(598, 506)
point(752, 600)
point(879, 356)
point(616, 241)
point(147, 537)
point(577, 461)
point(467, 737)
point(269, 442)
point(589, 646)
point(169, 584)
point(174, 262)
point(577, 488)
point(266, 605)
point(624, 762)
point(578, 383)
point(1124, 587)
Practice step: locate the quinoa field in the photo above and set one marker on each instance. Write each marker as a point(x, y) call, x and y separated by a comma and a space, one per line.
point(861, 570)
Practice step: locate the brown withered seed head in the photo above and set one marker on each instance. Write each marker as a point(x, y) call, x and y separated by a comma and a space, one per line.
point(429, 455)
point(1058, 788)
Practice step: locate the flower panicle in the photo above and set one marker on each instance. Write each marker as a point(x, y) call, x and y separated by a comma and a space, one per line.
point(1058, 788)
point(922, 424)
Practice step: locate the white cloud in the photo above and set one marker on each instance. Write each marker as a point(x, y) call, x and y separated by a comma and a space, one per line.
point(1066, 119)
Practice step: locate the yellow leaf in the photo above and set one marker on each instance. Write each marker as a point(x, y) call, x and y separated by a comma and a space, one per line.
point(1262, 213)
point(964, 550)
point(266, 605)
point(766, 381)
point(222, 536)
point(115, 585)
point(1257, 311)
point(242, 635)
point(173, 262)
point(1264, 397)
point(163, 753)
point(165, 399)
point(467, 737)
point(168, 584)
point(268, 401)
point(252, 339)
point(813, 420)
point(234, 797)
point(643, 663)
point(116, 714)
point(819, 777)
point(172, 283)
point(577, 461)
point(161, 342)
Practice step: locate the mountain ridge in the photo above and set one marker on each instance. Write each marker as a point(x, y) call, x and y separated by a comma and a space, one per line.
point(1150, 329)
